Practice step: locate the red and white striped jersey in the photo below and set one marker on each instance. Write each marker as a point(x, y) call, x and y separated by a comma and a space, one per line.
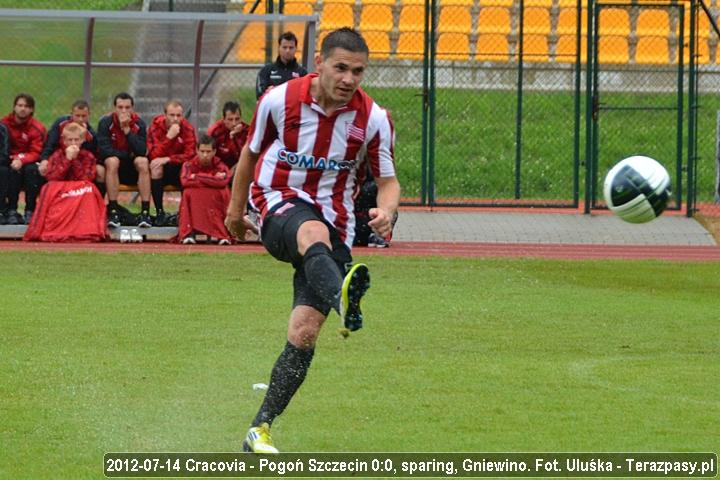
point(306, 154)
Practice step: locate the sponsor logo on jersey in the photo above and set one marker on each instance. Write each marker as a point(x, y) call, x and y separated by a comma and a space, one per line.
point(301, 160)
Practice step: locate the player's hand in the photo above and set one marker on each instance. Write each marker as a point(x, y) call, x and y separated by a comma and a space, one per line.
point(72, 152)
point(238, 225)
point(381, 222)
point(221, 174)
point(42, 167)
point(16, 164)
point(235, 130)
point(124, 119)
point(158, 162)
point(173, 131)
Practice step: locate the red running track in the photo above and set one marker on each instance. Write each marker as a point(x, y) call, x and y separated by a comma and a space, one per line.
point(532, 250)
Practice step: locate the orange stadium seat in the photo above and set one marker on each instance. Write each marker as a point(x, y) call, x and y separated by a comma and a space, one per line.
point(567, 21)
point(455, 18)
point(614, 21)
point(653, 22)
point(613, 49)
point(704, 28)
point(538, 3)
point(251, 45)
point(412, 18)
point(453, 46)
point(378, 2)
point(459, 3)
point(492, 47)
point(299, 8)
point(565, 49)
point(336, 15)
point(376, 17)
point(379, 44)
point(703, 52)
point(410, 45)
point(404, 3)
point(571, 3)
point(535, 48)
point(653, 50)
point(536, 20)
point(496, 3)
point(494, 20)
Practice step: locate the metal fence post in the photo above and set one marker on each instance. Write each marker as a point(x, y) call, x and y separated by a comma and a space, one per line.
point(87, 69)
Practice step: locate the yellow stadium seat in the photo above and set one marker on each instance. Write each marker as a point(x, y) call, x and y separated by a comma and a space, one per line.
point(379, 44)
point(412, 18)
point(460, 3)
point(410, 45)
point(492, 47)
point(536, 20)
point(535, 48)
point(376, 17)
point(494, 20)
point(653, 50)
point(703, 25)
point(496, 3)
point(613, 49)
point(538, 3)
point(653, 22)
point(614, 21)
point(567, 21)
point(565, 49)
point(571, 3)
point(404, 3)
point(378, 2)
point(703, 52)
point(455, 18)
point(336, 15)
point(453, 46)
point(251, 45)
point(298, 8)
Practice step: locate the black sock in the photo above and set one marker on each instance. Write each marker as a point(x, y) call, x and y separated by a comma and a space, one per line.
point(112, 205)
point(287, 376)
point(101, 188)
point(156, 187)
point(323, 274)
point(145, 207)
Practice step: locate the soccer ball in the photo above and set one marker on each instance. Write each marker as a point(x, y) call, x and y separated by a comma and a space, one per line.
point(637, 189)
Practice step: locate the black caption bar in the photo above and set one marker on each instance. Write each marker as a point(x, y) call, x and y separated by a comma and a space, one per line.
point(406, 465)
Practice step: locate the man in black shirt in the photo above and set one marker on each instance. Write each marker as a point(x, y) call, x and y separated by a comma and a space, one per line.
point(284, 68)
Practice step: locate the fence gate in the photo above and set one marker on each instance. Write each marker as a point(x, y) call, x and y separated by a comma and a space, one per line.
point(637, 92)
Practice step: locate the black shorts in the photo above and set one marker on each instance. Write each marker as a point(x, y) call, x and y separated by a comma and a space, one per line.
point(279, 235)
point(127, 173)
point(171, 174)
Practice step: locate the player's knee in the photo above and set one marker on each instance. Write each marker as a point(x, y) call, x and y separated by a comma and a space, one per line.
point(99, 173)
point(141, 164)
point(311, 233)
point(112, 164)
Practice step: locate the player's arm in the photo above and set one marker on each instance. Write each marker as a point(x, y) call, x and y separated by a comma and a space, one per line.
point(263, 81)
point(388, 201)
point(235, 219)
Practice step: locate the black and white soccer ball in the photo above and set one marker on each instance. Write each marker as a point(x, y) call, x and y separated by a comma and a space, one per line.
point(637, 189)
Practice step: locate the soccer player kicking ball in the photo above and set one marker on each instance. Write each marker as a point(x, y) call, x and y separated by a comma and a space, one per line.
point(312, 137)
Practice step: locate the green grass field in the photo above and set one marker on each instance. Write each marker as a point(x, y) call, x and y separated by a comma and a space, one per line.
point(153, 352)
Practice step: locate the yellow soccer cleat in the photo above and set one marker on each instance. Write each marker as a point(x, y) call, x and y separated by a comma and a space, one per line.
point(355, 284)
point(258, 440)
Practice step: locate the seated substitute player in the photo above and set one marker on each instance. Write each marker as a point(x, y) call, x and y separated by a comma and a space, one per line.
point(205, 196)
point(4, 172)
point(171, 142)
point(303, 187)
point(122, 149)
point(27, 136)
point(80, 114)
point(70, 207)
point(230, 134)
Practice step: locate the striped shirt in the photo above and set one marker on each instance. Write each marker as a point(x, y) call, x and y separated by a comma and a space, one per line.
point(317, 158)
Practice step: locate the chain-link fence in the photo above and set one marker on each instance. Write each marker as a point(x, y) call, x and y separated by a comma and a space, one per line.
point(494, 110)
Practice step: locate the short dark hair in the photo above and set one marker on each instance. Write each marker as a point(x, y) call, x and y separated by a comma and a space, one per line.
point(123, 96)
point(29, 99)
point(232, 107)
point(289, 36)
point(206, 139)
point(81, 104)
point(346, 38)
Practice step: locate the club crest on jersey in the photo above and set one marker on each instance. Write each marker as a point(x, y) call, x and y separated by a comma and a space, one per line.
point(354, 132)
point(302, 160)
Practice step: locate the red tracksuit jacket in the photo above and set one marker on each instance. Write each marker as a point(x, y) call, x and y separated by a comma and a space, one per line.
point(228, 149)
point(81, 168)
point(180, 149)
point(26, 139)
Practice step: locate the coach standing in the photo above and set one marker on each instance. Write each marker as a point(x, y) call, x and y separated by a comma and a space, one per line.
point(313, 137)
point(284, 68)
